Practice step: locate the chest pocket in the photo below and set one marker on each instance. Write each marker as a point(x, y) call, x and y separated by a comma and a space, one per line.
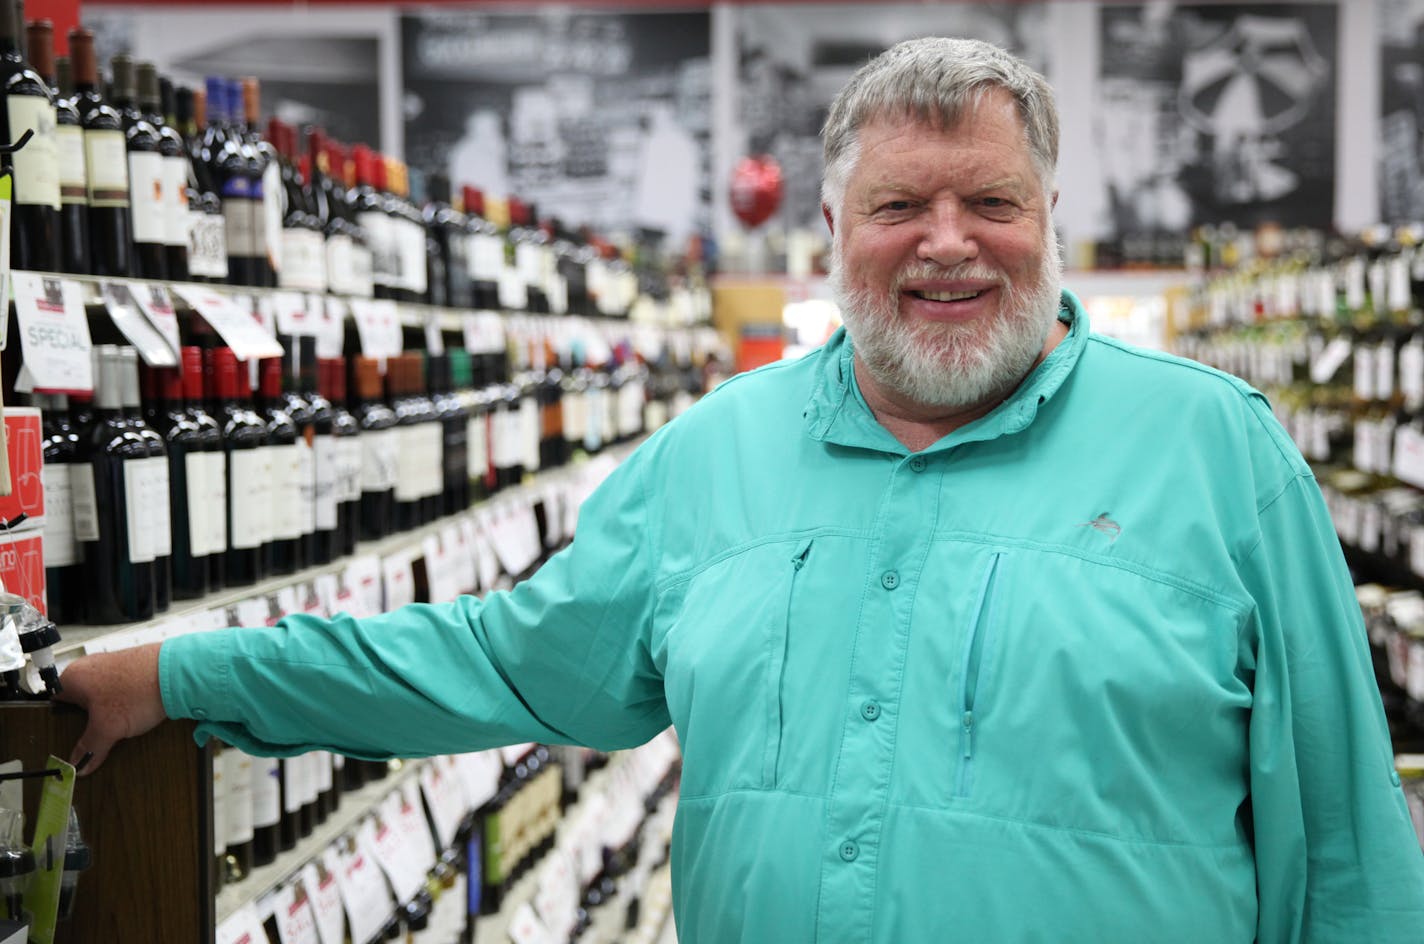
point(733, 670)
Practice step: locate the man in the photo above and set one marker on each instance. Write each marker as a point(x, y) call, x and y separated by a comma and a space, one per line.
point(972, 626)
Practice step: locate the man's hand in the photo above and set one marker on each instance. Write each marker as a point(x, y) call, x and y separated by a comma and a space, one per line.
point(120, 692)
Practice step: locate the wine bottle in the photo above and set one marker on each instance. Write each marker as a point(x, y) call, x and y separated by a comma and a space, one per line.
point(249, 476)
point(246, 103)
point(64, 569)
point(378, 451)
point(153, 490)
point(468, 398)
point(207, 229)
point(409, 435)
point(105, 163)
point(347, 435)
point(73, 246)
point(147, 213)
point(29, 106)
point(221, 806)
point(485, 255)
point(326, 543)
point(240, 820)
point(362, 278)
point(286, 470)
point(454, 423)
point(109, 515)
point(410, 226)
point(266, 810)
point(188, 487)
point(303, 416)
point(303, 244)
point(155, 99)
point(237, 183)
point(432, 438)
point(324, 205)
point(449, 229)
point(211, 467)
point(370, 208)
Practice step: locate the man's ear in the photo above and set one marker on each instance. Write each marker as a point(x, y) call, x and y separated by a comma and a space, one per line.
point(1053, 202)
point(831, 221)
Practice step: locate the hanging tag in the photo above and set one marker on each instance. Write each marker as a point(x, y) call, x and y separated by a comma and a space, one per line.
point(454, 542)
point(434, 339)
point(54, 333)
point(364, 892)
point(486, 560)
point(410, 819)
point(239, 328)
point(445, 798)
point(387, 845)
point(243, 927)
point(479, 774)
point(290, 312)
point(156, 304)
point(378, 325)
point(296, 924)
point(325, 896)
point(331, 327)
point(1334, 355)
point(439, 570)
point(362, 580)
point(398, 581)
point(526, 928)
point(124, 312)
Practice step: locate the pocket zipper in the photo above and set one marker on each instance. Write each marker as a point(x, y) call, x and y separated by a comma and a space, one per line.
point(969, 676)
point(776, 672)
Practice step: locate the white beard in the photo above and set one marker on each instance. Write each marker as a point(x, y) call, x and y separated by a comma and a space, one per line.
point(946, 365)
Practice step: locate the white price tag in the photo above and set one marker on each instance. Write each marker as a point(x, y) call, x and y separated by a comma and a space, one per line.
point(434, 339)
point(514, 533)
point(296, 924)
point(398, 581)
point(325, 896)
point(331, 329)
point(54, 333)
point(243, 927)
point(558, 895)
point(292, 315)
point(479, 774)
point(511, 753)
point(455, 541)
point(328, 591)
point(378, 325)
point(486, 562)
point(1409, 456)
point(254, 611)
point(125, 314)
point(387, 845)
point(362, 580)
point(1329, 360)
point(439, 570)
point(445, 798)
point(410, 819)
point(364, 893)
point(239, 328)
point(157, 306)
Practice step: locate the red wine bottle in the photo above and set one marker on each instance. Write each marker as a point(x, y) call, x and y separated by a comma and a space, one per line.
point(300, 410)
point(285, 471)
point(207, 229)
point(249, 477)
point(245, 100)
point(208, 460)
point(369, 204)
point(64, 568)
point(347, 435)
point(108, 510)
point(378, 452)
point(266, 809)
point(326, 543)
point(157, 522)
point(147, 214)
point(29, 106)
point(73, 248)
point(238, 184)
point(158, 111)
point(105, 163)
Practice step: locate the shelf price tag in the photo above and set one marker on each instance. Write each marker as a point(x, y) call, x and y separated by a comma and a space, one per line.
point(240, 329)
point(364, 893)
point(296, 924)
point(157, 306)
point(558, 895)
point(444, 797)
point(331, 325)
point(526, 928)
point(243, 926)
point(455, 541)
point(292, 314)
point(124, 311)
point(486, 563)
point(479, 774)
point(410, 819)
point(325, 897)
point(378, 325)
point(54, 334)
point(362, 581)
point(387, 844)
point(397, 581)
point(439, 570)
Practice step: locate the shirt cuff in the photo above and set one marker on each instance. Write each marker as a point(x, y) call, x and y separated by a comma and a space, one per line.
point(194, 675)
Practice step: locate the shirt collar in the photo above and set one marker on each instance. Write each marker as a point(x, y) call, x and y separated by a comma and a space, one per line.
point(837, 412)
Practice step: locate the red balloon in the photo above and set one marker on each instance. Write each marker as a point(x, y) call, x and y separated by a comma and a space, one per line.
point(757, 188)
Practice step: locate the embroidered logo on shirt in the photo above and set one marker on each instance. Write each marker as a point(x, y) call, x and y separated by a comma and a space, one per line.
point(1105, 525)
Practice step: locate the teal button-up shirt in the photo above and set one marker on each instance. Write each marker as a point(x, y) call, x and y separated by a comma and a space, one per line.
point(1088, 669)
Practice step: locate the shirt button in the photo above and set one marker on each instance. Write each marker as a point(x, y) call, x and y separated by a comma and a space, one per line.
point(200, 713)
point(870, 711)
point(917, 464)
point(1394, 777)
point(889, 580)
point(849, 850)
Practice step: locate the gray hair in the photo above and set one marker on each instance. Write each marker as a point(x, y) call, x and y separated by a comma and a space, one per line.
point(935, 80)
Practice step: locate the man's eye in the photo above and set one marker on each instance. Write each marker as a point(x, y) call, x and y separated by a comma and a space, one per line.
point(896, 206)
point(994, 202)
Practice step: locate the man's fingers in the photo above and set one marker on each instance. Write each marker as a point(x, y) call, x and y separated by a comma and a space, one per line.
point(119, 690)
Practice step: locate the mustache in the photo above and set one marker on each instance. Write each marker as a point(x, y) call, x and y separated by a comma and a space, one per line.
point(928, 271)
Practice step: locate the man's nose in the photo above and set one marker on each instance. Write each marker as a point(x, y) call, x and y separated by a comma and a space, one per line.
point(948, 238)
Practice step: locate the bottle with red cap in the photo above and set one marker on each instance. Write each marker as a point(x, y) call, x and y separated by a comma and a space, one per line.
point(484, 251)
point(346, 432)
point(286, 471)
point(370, 206)
point(249, 473)
point(362, 275)
point(187, 485)
point(378, 451)
point(207, 461)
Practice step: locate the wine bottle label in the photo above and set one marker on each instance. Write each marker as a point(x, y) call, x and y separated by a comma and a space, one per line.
point(324, 764)
point(84, 503)
point(145, 489)
point(410, 459)
point(380, 243)
point(513, 290)
point(222, 802)
point(146, 197)
point(293, 769)
point(238, 773)
point(305, 481)
point(477, 446)
point(435, 448)
point(36, 173)
point(303, 261)
point(207, 244)
point(529, 261)
point(413, 259)
point(195, 474)
point(60, 549)
point(574, 416)
point(362, 281)
point(216, 502)
point(73, 178)
point(175, 201)
point(338, 263)
point(160, 524)
point(311, 785)
point(249, 485)
point(238, 218)
point(270, 219)
point(106, 161)
point(324, 449)
point(486, 257)
point(286, 491)
point(529, 433)
point(378, 460)
point(266, 790)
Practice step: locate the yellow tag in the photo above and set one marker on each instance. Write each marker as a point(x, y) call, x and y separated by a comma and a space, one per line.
point(51, 829)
